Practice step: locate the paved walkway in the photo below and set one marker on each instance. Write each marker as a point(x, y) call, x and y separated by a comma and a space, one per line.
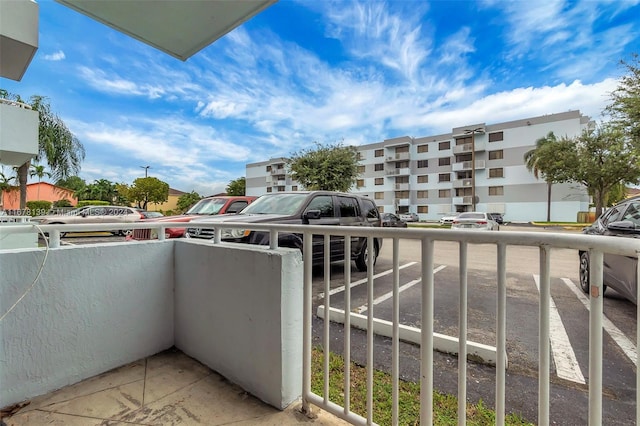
point(169, 388)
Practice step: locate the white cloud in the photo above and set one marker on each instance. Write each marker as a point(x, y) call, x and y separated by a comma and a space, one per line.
point(56, 56)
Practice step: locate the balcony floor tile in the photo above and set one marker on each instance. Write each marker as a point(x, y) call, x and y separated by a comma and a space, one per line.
point(166, 389)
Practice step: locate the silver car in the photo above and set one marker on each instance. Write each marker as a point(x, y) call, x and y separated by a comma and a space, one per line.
point(93, 214)
point(475, 220)
point(619, 272)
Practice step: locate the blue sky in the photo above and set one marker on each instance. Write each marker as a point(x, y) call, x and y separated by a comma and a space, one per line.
point(306, 71)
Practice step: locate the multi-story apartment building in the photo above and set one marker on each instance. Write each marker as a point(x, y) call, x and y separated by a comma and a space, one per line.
point(433, 175)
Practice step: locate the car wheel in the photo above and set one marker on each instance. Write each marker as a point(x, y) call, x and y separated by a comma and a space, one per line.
point(584, 272)
point(363, 257)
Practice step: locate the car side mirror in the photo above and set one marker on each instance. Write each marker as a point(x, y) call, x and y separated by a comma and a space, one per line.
point(312, 214)
point(624, 226)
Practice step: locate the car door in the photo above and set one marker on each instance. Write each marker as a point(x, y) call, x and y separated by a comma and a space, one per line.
point(95, 215)
point(349, 213)
point(620, 271)
point(324, 204)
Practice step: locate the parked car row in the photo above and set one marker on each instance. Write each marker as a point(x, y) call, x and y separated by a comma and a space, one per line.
point(450, 218)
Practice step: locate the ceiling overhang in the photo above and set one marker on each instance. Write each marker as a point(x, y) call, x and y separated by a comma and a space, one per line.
point(18, 36)
point(179, 28)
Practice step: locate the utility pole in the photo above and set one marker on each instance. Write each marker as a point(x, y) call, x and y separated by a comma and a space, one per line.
point(146, 169)
point(473, 164)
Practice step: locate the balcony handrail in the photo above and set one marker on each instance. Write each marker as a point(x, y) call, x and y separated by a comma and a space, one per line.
point(595, 245)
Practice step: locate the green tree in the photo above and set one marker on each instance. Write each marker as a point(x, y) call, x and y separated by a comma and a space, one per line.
point(57, 145)
point(100, 189)
point(327, 167)
point(74, 183)
point(187, 200)
point(604, 158)
point(149, 189)
point(237, 187)
point(625, 106)
point(122, 194)
point(38, 170)
point(549, 160)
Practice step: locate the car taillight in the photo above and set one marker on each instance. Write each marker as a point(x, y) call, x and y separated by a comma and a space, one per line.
point(141, 215)
point(481, 222)
point(455, 221)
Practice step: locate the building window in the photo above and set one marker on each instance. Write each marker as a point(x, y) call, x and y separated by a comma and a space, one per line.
point(496, 155)
point(496, 190)
point(402, 179)
point(402, 164)
point(379, 181)
point(444, 177)
point(496, 137)
point(423, 179)
point(268, 168)
point(444, 161)
point(360, 155)
point(444, 193)
point(463, 140)
point(423, 209)
point(294, 188)
point(423, 163)
point(378, 195)
point(378, 167)
point(444, 145)
point(379, 152)
point(423, 148)
point(423, 194)
point(361, 169)
point(401, 149)
point(360, 183)
point(402, 194)
point(496, 173)
point(269, 189)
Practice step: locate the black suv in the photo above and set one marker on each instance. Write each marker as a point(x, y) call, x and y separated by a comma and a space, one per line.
point(302, 207)
point(619, 272)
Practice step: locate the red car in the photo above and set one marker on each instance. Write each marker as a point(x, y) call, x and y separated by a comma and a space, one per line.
point(205, 207)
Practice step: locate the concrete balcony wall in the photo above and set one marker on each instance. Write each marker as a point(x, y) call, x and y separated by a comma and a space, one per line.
point(237, 309)
point(18, 133)
point(246, 325)
point(92, 309)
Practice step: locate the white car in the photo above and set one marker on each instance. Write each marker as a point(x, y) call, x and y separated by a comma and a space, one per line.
point(448, 218)
point(475, 220)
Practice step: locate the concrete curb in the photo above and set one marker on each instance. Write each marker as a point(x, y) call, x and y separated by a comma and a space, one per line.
point(477, 352)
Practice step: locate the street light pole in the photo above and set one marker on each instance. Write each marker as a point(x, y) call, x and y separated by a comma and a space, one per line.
point(473, 164)
point(146, 168)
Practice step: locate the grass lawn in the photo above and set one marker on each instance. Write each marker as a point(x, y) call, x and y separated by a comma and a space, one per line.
point(445, 407)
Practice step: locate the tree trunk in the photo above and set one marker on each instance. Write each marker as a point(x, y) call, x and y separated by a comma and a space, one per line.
point(548, 201)
point(23, 172)
point(599, 202)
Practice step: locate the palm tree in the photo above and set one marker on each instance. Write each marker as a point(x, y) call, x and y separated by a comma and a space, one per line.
point(536, 162)
point(5, 184)
point(38, 170)
point(61, 149)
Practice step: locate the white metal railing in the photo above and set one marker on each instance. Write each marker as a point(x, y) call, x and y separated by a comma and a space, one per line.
point(597, 246)
point(15, 103)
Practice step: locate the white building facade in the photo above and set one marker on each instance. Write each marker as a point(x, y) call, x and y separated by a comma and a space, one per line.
point(432, 175)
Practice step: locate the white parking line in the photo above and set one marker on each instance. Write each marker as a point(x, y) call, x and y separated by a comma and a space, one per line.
point(616, 334)
point(386, 296)
point(564, 357)
point(364, 280)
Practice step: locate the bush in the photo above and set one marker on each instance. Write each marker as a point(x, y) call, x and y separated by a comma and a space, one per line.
point(92, 203)
point(62, 203)
point(38, 208)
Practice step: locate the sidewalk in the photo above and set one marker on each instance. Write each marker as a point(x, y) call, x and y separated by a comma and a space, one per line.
point(169, 388)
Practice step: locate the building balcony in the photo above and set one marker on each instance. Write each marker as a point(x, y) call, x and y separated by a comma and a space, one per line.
point(401, 186)
point(18, 37)
point(466, 165)
point(275, 171)
point(462, 183)
point(465, 148)
point(401, 156)
point(402, 201)
point(18, 131)
point(461, 201)
point(399, 172)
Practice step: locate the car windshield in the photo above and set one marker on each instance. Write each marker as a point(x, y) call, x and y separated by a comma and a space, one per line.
point(284, 204)
point(211, 206)
point(471, 216)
